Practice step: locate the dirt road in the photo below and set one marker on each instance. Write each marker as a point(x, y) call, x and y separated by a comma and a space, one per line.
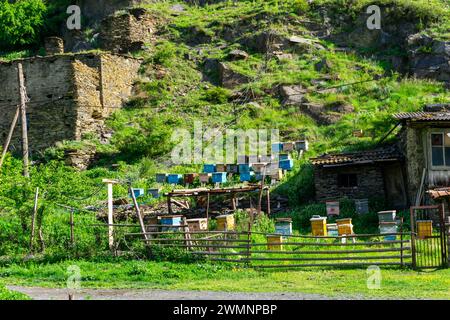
point(140, 294)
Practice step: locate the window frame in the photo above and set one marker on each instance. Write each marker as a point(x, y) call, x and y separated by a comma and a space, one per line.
point(338, 180)
point(443, 132)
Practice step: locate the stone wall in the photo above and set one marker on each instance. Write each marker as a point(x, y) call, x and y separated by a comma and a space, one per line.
point(69, 95)
point(127, 31)
point(99, 9)
point(369, 182)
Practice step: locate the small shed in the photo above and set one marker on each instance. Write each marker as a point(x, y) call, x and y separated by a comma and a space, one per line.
point(355, 175)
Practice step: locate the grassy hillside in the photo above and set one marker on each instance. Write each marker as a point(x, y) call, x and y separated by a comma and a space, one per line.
point(172, 92)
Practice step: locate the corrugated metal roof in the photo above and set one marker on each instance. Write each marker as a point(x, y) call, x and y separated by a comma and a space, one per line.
point(378, 155)
point(423, 116)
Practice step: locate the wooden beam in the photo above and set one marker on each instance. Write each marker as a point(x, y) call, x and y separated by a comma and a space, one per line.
point(10, 134)
point(23, 109)
point(33, 219)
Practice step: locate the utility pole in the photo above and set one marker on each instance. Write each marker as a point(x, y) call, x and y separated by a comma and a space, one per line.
point(23, 111)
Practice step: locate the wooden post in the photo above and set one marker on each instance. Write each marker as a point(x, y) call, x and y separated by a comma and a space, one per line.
point(33, 219)
point(207, 210)
point(72, 237)
point(110, 184)
point(268, 202)
point(233, 202)
point(413, 238)
point(23, 109)
point(169, 204)
point(10, 134)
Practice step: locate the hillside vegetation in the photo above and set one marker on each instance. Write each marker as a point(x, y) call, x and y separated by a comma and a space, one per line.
point(178, 86)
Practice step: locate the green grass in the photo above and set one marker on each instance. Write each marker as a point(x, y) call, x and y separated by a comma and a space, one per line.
point(164, 275)
point(6, 294)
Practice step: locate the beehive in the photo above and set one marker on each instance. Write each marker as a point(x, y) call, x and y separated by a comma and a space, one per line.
point(221, 167)
point(283, 226)
point(253, 158)
point(232, 168)
point(225, 223)
point(265, 159)
point(138, 192)
point(204, 177)
point(332, 208)
point(153, 222)
point(277, 147)
point(344, 228)
point(288, 146)
point(387, 216)
point(209, 168)
point(319, 226)
point(161, 177)
point(171, 222)
point(275, 242)
point(344, 221)
point(219, 177)
point(174, 178)
point(283, 156)
point(244, 168)
point(362, 206)
point(246, 176)
point(242, 159)
point(197, 224)
point(277, 175)
point(189, 178)
point(302, 145)
point(332, 230)
point(259, 176)
point(155, 193)
point(388, 227)
point(287, 164)
point(424, 229)
point(258, 167)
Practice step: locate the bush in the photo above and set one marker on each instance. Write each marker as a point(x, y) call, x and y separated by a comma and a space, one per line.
point(21, 22)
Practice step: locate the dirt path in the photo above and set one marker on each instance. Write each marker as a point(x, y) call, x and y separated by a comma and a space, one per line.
point(140, 294)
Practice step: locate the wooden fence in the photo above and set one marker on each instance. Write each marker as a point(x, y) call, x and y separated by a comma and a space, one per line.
point(251, 249)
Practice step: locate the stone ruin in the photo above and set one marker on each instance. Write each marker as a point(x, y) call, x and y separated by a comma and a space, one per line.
point(69, 95)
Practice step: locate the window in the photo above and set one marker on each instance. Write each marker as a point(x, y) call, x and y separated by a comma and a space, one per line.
point(440, 149)
point(348, 180)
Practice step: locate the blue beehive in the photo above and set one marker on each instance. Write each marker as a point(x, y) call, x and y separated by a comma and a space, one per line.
point(161, 177)
point(246, 176)
point(244, 168)
point(174, 178)
point(283, 156)
point(209, 168)
point(287, 164)
point(258, 176)
point(283, 226)
point(155, 193)
point(138, 192)
point(170, 221)
point(219, 177)
point(277, 147)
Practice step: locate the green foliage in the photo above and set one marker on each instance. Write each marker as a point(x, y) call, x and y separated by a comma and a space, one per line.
point(217, 95)
point(20, 22)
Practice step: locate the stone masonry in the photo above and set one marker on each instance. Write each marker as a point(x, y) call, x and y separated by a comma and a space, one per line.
point(127, 31)
point(69, 95)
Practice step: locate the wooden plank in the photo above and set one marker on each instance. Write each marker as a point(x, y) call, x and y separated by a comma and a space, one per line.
point(330, 258)
point(360, 264)
point(9, 137)
point(333, 251)
point(331, 244)
point(199, 240)
point(200, 246)
point(33, 218)
point(24, 124)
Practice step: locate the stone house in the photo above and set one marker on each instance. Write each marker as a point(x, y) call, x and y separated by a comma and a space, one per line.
point(400, 173)
point(69, 95)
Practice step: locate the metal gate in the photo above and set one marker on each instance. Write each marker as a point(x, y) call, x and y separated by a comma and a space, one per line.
point(428, 237)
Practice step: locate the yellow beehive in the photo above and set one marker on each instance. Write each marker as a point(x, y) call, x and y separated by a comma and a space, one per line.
point(319, 226)
point(197, 224)
point(424, 229)
point(344, 221)
point(225, 223)
point(345, 229)
point(277, 174)
point(274, 242)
